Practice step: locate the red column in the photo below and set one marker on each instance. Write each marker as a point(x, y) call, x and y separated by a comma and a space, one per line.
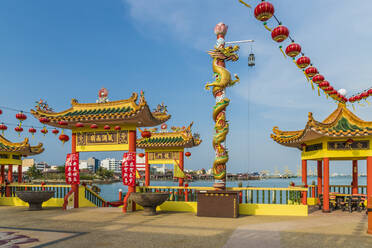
point(19, 173)
point(10, 173)
point(304, 181)
point(147, 169)
point(2, 174)
point(180, 180)
point(369, 230)
point(355, 177)
point(74, 187)
point(320, 177)
point(369, 178)
point(326, 186)
point(132, 148)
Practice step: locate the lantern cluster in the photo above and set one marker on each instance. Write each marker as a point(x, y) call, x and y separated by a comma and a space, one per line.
point(265, 11)
point(361, 96)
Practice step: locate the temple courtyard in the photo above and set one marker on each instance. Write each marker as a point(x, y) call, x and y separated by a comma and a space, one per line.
point(109, 227)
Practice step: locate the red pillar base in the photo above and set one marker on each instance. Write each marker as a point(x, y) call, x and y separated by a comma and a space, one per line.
point(75, 188)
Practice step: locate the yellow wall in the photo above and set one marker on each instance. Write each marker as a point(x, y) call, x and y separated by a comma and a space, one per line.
point(273, 209)
point(15, 201)
point(336, 154)
point(244, 209)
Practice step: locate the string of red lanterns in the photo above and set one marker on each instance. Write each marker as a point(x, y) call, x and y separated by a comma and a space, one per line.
point(263, 12)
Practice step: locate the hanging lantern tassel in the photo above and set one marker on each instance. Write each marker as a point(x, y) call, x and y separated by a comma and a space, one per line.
point(326, 95)
point(353, 106)
point(267, 27)
point(368, 102)
point(281, 49)
point(307, 77)
point(312, 84)
point(361, 104)
point(318, 92)
point(249, 6)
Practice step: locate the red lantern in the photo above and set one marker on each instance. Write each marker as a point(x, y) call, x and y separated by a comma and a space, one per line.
point(32, 131)
point(55, 131)
point(141, 155)
point(303, 62)
point(187, 154)
point(1, 112)
point(19, 130)
point(328, 89)
point(333, 92)
point(63, 123)
point(21, 116)
point(311, 71)
point(106, 127)
point(280, 33)
point(3, 128)
point(64, 138)
point(352, 99)
point(264, 11)
point(117, 128)
point(369, 92)
point(93, 126)
point(164, 126)
point(364, 95)
point(146, 134)
point(318, 78)
point(79, 124)
point(44, 120)
point(323, 85)
point(44, 131)
point(293, 50)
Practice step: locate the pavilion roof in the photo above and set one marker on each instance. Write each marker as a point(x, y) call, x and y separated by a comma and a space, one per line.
point(22, 148)
point(125, 112)
point(341, 123)
point(178, 138)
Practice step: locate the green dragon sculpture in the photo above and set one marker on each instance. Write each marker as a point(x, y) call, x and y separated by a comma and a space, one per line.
point(222, 81)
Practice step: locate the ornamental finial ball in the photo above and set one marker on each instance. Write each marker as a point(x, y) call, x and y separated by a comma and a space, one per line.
point(343, 92)
point(220, 28)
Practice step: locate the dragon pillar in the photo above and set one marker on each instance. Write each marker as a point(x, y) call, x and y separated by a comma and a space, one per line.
point(222, 77)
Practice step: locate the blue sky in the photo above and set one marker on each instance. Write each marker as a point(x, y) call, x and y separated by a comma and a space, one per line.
point(58, 50)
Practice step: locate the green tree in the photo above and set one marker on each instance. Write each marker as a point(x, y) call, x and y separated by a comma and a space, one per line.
point(61, 169)
point(104, 173)
point(34, 173)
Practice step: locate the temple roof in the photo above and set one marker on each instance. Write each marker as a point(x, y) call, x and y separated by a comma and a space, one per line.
point(341, 123)
point(178, 138)
point(125, 112)
point(22, 148)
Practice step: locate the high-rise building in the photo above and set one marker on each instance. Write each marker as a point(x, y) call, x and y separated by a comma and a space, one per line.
point(111, 164)
point(91, 164)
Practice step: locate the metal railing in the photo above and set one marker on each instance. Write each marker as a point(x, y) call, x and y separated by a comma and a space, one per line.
point(343, 189)
point(248, 195)
point(94, 198)
point(60, 190)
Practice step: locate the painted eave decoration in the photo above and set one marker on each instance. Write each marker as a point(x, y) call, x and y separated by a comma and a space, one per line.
point(22, 148)
point(178, 138)
point(341, 123)
point(122, 112)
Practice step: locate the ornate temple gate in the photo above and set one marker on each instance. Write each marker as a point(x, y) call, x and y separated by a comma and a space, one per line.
point(167, 147)
point(104, 125)
point(11, 155)
point(341, 136)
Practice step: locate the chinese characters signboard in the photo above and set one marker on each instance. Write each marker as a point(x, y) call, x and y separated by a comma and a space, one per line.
point(343, 145)
point(164, 155)
point(102, 141)
point(128, 169)
point(72, 168)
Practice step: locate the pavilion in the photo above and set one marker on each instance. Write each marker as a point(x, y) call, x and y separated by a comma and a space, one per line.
point(104, 125)
point(341, 136)
point(11, 154)
point(167, 147)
